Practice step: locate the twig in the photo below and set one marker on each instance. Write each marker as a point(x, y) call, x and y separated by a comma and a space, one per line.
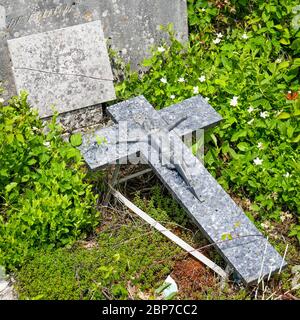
point(134, 175)
point(113, 182)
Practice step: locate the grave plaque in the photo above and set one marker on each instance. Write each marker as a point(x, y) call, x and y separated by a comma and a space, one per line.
point(27, 17)
point(132, 25)
point(68, 68)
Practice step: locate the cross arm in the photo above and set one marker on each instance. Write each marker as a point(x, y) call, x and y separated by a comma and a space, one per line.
point(200, 114)
point(103, 146)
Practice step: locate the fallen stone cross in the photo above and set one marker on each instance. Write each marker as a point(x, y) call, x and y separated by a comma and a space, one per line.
point(142, 133)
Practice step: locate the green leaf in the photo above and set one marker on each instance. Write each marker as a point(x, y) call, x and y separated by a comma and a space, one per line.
point(10, 186)
point(147, 62)
point(297, 139)
point(243, 146)
point(290, 131)
point(76, 140)
point(239, 134)
point(283, 65)
point(214, 139)
point(226, 236)
point(101, 140)
point(31, 162)
point(20, 138)
point(284, 41)
point(10, 138)
point(283, 115)
point(254, 207)
point(296, 46)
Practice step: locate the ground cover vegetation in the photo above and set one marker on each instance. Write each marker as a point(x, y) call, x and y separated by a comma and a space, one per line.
point(244, 58)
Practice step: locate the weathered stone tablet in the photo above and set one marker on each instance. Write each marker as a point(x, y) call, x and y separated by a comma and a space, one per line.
point(67, 68)
point(132, 25)
point(26, 17)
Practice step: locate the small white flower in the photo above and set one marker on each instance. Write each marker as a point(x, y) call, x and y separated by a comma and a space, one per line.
point(260, 145)
point(244, 36)
point(282, 217)
point(219, 35)
point(1, 100)
point(46, 144)
point(206, 99)
point(251, 121)
point(195, 90)
point(203, 9)
point(250, 109)
point(234, 101)
point(161, 49)
point(287, 175)
point(266, 225)
point(172, 96)
point(258, 162)
point(217, 40)
point(202, 78)
point(181, 80)
point(278, 60)
point(163, 80)
point(264, 114)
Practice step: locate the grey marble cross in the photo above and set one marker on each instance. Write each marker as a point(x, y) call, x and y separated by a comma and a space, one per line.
point(146, 131)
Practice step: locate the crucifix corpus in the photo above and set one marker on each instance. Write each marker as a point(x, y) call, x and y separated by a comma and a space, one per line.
point(143, 134)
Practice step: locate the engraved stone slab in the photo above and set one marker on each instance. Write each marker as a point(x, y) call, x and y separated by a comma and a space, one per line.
point(212, 209)
point(132, 25)
point(26, 17)
point(68, 68)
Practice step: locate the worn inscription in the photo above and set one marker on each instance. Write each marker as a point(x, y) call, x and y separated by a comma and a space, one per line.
point(39, 16)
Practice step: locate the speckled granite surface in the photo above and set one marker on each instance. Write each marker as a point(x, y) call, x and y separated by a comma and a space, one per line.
point(212, 209)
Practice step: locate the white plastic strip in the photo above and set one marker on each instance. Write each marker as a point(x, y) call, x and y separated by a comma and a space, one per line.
point(170, 235)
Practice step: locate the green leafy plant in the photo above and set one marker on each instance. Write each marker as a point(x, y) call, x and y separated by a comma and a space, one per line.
point(44, 200)
point(248, 70)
